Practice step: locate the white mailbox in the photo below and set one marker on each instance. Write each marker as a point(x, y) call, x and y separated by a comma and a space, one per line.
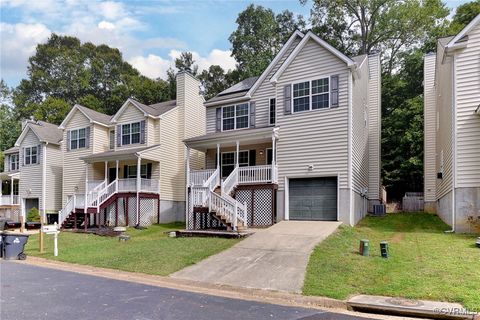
point(52, 229)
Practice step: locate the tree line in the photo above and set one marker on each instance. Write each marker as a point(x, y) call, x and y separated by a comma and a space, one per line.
point(63, 71)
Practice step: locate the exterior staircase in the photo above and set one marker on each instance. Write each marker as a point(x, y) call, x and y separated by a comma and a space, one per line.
point(213, 197)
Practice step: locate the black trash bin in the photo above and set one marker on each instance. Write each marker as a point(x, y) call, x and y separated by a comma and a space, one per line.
point(13, 246)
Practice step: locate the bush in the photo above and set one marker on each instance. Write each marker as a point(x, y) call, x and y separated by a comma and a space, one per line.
point(33, 215)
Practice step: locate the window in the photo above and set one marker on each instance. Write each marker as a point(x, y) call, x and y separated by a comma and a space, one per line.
point(235, 117)
point(112, 139)
point(132, 172)
point(14, 161)
point(31, 155)
point(77, 139)
point(131, 133)
point(301, 96)
point(320, 93)
point(272, 114)
point(317, 98)
point(228, 161)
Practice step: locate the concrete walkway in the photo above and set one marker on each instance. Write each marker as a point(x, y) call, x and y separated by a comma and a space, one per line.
point(273, 259)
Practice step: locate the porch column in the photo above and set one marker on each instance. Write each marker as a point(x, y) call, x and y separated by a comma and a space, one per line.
point(116, 176)
point(236, 154)
point(218, 156)
point(85, 206)
point(11, 190)
point(274, 159)
point(106, 173)
point(139, 164)
point(188, 166)
point(1, 191)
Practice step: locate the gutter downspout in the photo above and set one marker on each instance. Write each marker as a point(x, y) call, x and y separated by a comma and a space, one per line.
point(44, 181)
point(350, 178)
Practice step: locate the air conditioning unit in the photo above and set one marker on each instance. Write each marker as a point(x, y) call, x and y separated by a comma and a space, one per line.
point(379, 210)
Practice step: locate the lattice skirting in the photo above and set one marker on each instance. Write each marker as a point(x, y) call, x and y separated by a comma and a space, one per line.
point(260, 202)
point(148, 212)
point(12, 214)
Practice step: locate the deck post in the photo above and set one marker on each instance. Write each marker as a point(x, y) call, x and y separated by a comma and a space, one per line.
point(187, 196)
point(274, 160)
point(85, 205)
point(218, 157)
point(116, 176)
point(139, 164)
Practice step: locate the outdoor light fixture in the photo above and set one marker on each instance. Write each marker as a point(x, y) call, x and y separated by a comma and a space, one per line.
point(261, 152)
point(310, 167)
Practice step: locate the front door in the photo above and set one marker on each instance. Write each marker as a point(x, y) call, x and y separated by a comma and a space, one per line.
point(112, 174)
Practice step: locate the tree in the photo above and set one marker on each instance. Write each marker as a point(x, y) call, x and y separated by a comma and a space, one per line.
point(186, 63)
point(259, 36)
point(392, 26)
point(64, 71)
point(463, 15)
point(215, 80)
point(9, 126)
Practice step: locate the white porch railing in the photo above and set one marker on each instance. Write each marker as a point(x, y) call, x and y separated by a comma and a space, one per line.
point(8, 200)
point(230, 182)
point(95, 184)
point(106, 193)
point(149, 185)
point(67, 209)
point(199, 177)
point(256, 174)
point(127, 185)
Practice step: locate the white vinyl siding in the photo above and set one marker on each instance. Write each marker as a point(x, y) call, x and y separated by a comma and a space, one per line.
point(73, 165)
point(30, 175)
point(130, 115)
point(54, 173)
point(360, 156)
point(100, 142)
point(326, 129)
point(431, 124)
point(467, 96)
point(374, 123)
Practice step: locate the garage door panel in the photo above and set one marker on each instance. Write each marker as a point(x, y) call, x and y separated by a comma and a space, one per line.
point(313, 199)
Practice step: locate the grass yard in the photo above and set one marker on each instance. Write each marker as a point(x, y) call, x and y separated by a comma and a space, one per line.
point(148, 251)
point(425, 262)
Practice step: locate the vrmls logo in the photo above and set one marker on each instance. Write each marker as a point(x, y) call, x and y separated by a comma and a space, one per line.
point(16, 240)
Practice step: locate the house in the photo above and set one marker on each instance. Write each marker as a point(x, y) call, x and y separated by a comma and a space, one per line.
point(33, 171)
point(299, 142)
point(129, 168)
point(452, 127)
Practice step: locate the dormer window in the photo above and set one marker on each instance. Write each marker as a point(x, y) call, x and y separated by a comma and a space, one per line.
point(235, 117)
point(131, 133)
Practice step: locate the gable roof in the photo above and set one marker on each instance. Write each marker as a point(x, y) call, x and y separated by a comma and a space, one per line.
point(45, 132)
point(464, 32)
point(11, 150)
point(92, 115)
point(310, 36)
point(152, 111)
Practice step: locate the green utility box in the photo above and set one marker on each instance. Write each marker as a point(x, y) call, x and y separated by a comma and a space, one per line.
point(365, 247)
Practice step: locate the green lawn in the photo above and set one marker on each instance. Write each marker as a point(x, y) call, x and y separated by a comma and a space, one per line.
point(148, 251)
point(425, 262)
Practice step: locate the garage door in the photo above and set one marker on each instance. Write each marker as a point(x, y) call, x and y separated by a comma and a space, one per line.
point(313, 199)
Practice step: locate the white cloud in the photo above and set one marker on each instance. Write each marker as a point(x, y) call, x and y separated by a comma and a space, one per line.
point(154, 66)
point(18, 43)
point(112, 10)
point(106, 25)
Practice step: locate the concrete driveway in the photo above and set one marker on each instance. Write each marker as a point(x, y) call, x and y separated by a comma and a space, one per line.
point(274, 259)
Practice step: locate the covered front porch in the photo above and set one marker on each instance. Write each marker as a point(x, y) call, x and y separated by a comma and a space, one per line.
point(238, 178)
point(121, 188)
point(9, 196)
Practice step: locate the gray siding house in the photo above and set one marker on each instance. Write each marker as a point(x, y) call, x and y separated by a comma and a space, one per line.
point(452, 128)
point(299, 142)
point(33, 170)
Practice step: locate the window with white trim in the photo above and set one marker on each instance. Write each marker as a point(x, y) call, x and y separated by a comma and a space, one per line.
point(311, 95)
point(14, 162)
point(272, 112)
point(235, 117)
point(131, 133)
point(132, 171)
point(31, 155)
point(77, 139)
point(228, 161)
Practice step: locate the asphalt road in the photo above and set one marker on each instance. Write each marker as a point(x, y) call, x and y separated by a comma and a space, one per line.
point(30, 292)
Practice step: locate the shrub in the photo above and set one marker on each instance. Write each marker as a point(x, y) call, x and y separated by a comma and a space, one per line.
point(33, 215)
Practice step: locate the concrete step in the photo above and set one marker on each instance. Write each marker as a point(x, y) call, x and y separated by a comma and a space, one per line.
point(409, 307)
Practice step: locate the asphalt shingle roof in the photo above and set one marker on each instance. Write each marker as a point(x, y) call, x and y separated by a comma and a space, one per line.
point(46, 132)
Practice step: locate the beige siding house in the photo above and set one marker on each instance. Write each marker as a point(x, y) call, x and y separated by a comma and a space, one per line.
point(299, 142)
point(34, 167)
point(452, 128)
point(129, 168)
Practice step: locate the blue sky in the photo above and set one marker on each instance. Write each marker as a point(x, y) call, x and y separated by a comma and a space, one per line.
point(150, 34)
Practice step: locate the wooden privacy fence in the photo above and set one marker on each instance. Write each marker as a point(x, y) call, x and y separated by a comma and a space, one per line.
point(413, 202)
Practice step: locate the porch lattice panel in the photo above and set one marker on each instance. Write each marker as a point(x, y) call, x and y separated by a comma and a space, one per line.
point(260, 204)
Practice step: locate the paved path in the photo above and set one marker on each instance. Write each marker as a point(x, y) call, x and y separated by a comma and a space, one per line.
point(275, 258)
point(31, 292)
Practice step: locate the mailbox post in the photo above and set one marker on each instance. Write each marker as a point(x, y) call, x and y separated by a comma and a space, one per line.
point(52, 229)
